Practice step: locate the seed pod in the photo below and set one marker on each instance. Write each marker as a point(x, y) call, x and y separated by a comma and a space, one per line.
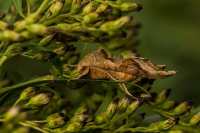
point(195, 119)
point(182, 108)
point(37, 29)
point(3, 25)
point(55, 121)
point(55, 8)
point(90, 18)
point(162, 96)
point(9, 35)
point(27, 93)
point(38, 100)
point(133, 106)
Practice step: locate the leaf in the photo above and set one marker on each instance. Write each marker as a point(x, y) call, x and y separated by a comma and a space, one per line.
point(18, 5)
point(100, 65)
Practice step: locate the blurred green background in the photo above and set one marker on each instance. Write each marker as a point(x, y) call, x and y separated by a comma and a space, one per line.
point(171, 35)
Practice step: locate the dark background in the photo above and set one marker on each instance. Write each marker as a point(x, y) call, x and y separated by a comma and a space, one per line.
point(171, 35)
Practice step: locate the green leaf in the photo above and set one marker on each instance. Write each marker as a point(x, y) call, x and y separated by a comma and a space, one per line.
point(18, 5)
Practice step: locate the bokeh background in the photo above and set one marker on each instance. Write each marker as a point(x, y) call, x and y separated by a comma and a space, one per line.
point(171, 35)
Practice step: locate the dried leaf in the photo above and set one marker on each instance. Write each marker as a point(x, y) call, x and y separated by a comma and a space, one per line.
point(100, 65)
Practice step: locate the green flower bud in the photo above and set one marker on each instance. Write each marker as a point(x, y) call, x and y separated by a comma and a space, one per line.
point(26, 34)
point(20, 25)
point(56, 8)
point(123, 104)
point(38, 100)
point(90, 7)
point(162, 125)
point(168, 105)
point(101, 8)
point(76, 6)
point(9, 35)
point(130, 6)
point(195, 119)
point(182, 108)
point(111, 109)
point(3, 25)
point(46, 40)
point(162, 96)
point(133, 106)
point(76, 122)
point(113, 26)
point(38, 29)
point(27, 93)
point(90, 18)
point(55, 121)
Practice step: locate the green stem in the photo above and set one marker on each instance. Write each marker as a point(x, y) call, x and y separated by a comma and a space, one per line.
point(41, 79)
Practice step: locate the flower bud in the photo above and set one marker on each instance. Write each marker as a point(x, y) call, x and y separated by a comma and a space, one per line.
point(112, 26)
point(76, 6)
point(182, 108)
point(90, 18)
point(56, 8)
point(46, 40)
point(111, 109)
point(101, 8)
point(130, 6)
point(38, 100)
point(27, 93)
point(3, 25)
point(133, 106)
point(55, 121)
point(38, 29)
point(90, 7)
point(123, 104)
point(162, 96)
point(195, 119)
point(9, 35)
point(163, 125)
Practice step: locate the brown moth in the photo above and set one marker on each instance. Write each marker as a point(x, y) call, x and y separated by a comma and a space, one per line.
point(100, 65)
